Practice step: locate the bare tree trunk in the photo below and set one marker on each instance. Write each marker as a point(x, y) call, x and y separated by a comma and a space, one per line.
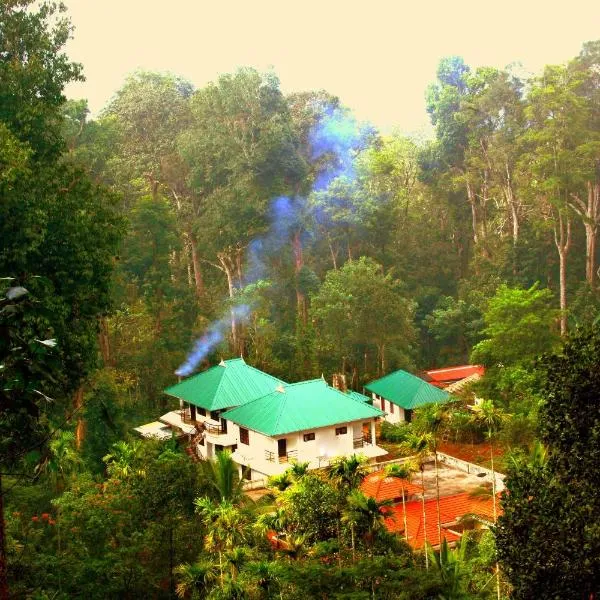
point(333, 254)
point(562, 239)
point(198, 279)
point(590, 213)
point(78, 406)
point(474, 220)
point(512, 203)
point(104, 341)
point(4, 593)
point(298, 264)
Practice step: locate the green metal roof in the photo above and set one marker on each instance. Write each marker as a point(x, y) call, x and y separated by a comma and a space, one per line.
point(360, 397)
point(228, 384)
point(406, 390)
point(300, 407)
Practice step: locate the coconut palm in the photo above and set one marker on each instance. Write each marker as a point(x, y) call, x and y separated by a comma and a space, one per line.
point(403, 472)
point(222, 478)
point(492, 418)
point(195, 581)
point(266, 578)
point(420, 447)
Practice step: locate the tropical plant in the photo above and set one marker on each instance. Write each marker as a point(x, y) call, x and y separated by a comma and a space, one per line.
point(222, 478)
point(403, 472)
point(195, 581)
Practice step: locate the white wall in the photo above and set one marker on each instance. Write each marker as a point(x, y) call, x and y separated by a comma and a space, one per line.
point(396, 417)
point(318, 452)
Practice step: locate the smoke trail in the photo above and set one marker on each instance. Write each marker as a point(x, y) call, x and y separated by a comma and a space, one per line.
point(213, 336)
point(336, 139)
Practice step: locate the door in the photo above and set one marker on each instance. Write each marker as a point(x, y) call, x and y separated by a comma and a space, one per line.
point(223, 425)
point(282, 448)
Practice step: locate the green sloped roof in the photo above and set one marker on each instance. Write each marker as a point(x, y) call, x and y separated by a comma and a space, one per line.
point(230, 383)
point(358, 396)
point(300, 407)
point(406, 390)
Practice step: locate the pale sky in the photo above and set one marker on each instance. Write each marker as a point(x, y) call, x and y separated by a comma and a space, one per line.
point(378, 56)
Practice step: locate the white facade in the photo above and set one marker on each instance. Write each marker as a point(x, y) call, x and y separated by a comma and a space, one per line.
point(266, 457)
point(393, 412)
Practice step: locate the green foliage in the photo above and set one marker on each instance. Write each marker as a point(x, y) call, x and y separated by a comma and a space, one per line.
point(396, 433)
point(358, 307)
point(554, 500)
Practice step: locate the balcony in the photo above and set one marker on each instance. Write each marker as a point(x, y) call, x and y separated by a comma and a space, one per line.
point(285, 458)
point(362, 440)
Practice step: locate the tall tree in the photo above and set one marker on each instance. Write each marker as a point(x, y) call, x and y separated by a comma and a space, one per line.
point(548, 536)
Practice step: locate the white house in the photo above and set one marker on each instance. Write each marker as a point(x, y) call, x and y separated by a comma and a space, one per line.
point(308, 421)
point(206, 396)
point(399, 393)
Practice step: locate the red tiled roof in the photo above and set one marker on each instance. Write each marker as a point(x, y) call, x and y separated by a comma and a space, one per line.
point(452, 508)
point(449, 374)
point(381, 487)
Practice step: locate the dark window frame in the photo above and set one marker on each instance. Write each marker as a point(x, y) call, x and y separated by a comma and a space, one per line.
point(309, 437)
point(341, 430)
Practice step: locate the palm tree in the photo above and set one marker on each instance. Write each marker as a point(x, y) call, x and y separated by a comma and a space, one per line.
point(365, 512)
point(431, 419)
point(492, 418)
point(223, 478)
point(346, 474)
point(451, 565)
point(403, 472)
point(195, 580)
point(420, 446)
point(266, 578)
point(62, 459)
point(227, 526)
point(123, 458)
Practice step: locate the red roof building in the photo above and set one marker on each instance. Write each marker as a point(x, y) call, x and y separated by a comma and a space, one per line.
point(442, 378)
point(382, 487)
point(454, 513)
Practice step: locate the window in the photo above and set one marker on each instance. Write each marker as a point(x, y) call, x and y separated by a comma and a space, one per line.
point(309, 437)
point(391, 407)
point(341, 430)
point(214, 415)
point(202, 411)
point(383, 404)
point(244, 436)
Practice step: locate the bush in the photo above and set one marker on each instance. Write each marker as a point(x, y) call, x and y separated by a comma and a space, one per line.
point(396, 434)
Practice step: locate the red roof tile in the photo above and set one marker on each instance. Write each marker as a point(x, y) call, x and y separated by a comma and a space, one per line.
point(452, 509)
point(381, 487)
point(450, 374)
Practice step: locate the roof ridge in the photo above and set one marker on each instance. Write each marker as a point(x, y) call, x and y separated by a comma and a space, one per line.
point(263, 372)
point(283, 398)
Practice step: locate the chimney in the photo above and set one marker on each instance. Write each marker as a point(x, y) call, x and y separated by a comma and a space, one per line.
point(339, 382)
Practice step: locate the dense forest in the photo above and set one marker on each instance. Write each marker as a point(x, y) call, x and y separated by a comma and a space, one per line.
point(185, 225)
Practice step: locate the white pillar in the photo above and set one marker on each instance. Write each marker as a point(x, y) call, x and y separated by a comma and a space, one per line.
point(373, 433)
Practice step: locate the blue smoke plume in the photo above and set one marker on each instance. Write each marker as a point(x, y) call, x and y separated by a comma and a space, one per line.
point(214, 335)
point(336, 139)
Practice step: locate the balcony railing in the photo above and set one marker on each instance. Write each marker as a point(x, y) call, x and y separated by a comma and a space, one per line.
point(358, 442)
point(214, 429)
point(284, 458)
point(288, 456)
